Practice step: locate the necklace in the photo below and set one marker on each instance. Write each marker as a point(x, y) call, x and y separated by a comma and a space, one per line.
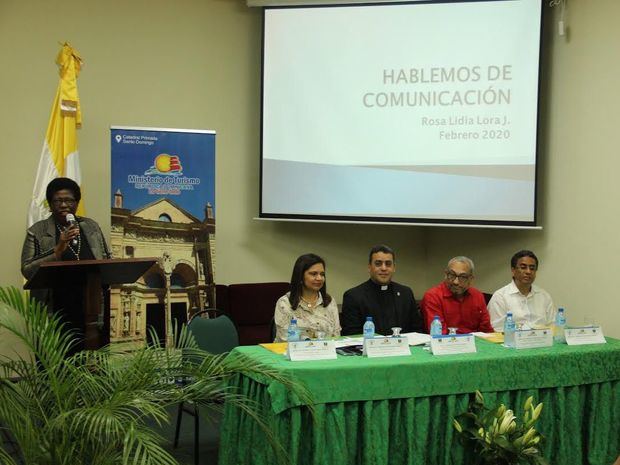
point(77, 250)
point(308, 303)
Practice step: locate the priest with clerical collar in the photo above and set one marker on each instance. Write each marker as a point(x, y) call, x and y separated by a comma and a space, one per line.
point(388, 303)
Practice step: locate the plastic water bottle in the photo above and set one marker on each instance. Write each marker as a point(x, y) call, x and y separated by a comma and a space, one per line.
point(509, 330)
point(560, 323)
point(293, 331)
point(436, 327)
point(369, 328)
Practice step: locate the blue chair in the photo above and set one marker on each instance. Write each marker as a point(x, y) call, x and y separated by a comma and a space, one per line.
point(215, 332)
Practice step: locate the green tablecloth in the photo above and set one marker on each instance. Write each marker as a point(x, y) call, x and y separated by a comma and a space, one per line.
point(399, 410)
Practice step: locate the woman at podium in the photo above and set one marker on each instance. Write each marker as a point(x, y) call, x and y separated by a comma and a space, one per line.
point(62, 237)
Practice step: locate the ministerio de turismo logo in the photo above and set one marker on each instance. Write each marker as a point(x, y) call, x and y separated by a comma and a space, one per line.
point(168, 165)
point(164, 177)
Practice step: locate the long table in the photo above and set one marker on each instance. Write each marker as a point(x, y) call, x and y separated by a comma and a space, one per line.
point(399, 410)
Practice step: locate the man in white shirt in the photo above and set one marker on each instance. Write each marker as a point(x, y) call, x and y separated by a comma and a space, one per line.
point(530, 305)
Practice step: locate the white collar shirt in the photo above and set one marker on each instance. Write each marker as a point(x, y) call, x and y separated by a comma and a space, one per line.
point(532, 310)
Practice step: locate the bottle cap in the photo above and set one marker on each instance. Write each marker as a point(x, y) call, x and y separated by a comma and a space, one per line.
point(509, 314)
point(368, 318)
point(293, 321)
point(436, 317)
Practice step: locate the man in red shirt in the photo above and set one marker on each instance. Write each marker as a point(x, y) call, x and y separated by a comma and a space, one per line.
point(456, 303)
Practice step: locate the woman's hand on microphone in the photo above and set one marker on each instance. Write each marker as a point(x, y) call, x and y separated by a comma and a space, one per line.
point(66, 236)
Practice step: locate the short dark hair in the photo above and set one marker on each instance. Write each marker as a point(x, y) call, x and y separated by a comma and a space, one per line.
point(381, 248)
point(302, 264)
point(58, 184)
point(520, 254)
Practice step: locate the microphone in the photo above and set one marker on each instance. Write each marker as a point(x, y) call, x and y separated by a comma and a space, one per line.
point(72, 222)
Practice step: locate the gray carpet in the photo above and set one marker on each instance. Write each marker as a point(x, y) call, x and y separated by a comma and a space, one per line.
point(209, 437)
point(184, 453)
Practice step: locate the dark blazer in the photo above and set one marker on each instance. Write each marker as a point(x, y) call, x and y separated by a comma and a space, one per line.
point(39, 248)
point(363, 301)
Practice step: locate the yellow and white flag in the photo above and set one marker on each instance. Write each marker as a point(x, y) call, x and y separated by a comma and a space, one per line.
point(59, 156)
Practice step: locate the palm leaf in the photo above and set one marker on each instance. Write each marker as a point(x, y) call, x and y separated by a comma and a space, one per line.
point(95, 407)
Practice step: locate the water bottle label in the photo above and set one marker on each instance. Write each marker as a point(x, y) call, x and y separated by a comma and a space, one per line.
point(294, 334)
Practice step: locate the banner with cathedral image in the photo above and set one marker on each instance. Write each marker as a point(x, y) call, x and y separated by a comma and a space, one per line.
point(163, 206)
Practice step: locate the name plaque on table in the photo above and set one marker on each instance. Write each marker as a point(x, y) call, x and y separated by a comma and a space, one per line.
point(452, 344)
point(533, 338)
point(582, 335)
point(386, 347)
point(311, 350)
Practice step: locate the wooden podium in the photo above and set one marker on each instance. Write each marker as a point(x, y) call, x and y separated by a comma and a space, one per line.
point(90, 277)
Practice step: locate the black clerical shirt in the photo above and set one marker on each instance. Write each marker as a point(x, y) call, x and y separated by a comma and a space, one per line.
point(389, 306)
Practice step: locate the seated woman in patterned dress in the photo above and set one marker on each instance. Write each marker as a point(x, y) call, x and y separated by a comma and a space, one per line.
point(308, 302)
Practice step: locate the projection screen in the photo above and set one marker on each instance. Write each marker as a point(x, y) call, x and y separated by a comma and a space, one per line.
point(420, 112)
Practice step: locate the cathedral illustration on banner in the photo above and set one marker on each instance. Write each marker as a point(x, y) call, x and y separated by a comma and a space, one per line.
point(183, 276)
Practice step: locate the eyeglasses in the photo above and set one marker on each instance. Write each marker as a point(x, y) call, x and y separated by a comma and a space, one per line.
point(463, 278)
point(59, 202)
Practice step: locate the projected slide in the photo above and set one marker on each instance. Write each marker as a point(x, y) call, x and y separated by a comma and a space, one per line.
point(421, 111)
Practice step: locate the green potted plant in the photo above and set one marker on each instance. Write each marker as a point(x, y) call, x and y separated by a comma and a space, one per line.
point(497, 436)
point(94, 407)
